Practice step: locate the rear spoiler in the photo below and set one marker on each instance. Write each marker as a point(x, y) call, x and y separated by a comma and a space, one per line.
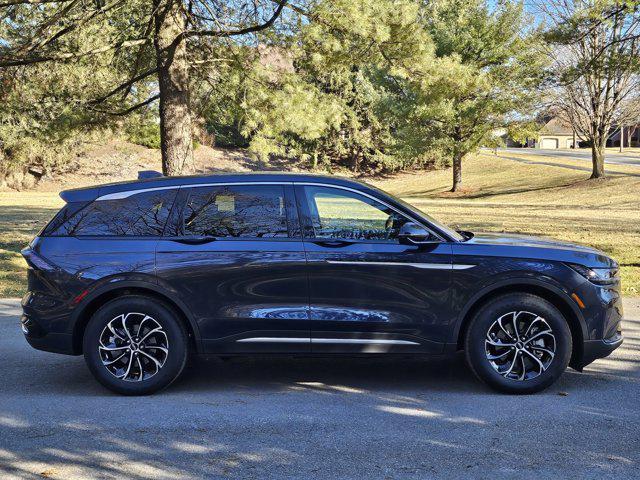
point(80, 194)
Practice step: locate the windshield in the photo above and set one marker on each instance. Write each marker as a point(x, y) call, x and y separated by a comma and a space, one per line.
point(447, 230)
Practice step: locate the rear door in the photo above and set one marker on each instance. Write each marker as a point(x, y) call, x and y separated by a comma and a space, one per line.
point(234, 253)
point(369, 291)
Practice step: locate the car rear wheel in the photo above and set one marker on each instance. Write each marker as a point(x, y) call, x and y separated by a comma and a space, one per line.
point(518, 343)
point(135, 345)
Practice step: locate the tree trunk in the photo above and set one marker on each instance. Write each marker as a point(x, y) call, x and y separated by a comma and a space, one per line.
point(173, 79)
point(457, 172)
point(597, 158)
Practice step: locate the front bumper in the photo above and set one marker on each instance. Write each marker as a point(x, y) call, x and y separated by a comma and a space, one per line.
point(595, 349)
point(603, 314)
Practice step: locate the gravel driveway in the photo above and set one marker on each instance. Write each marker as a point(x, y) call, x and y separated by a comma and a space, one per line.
point(316, 419)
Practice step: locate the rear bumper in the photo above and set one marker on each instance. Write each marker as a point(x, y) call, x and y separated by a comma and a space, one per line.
point(45, 328)
point(53, 342)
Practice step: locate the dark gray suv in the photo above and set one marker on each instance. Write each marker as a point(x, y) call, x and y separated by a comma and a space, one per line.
point(136, 276)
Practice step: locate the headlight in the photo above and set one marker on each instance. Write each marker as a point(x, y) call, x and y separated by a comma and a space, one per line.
point(599, 276)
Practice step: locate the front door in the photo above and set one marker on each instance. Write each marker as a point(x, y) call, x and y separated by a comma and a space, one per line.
point(371, 292)
point(236, 257)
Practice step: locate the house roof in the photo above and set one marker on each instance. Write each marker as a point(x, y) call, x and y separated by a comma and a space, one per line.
point(557, 126)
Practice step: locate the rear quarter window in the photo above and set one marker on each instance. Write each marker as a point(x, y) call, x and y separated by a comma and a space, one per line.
point(141, 215)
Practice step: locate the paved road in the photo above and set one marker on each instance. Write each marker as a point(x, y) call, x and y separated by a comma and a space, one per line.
point(581, 154)
point(316, 419)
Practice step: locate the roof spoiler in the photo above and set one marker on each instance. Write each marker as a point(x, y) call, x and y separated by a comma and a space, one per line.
point(143, 174)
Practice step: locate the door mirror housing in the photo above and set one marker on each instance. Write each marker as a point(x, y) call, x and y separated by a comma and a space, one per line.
point(412, 232)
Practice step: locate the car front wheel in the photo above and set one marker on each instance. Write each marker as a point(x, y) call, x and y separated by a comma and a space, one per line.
point(135, 345)
point(518, 343)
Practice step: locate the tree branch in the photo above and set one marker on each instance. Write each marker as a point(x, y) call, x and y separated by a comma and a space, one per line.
point(130, 109)
point(124, 85)
point(30, 2)
point(16, 62)
point(241, 31)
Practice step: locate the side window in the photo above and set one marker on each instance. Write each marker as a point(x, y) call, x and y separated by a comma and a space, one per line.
point(236, 211)
point(347, 215)
point(140, 215)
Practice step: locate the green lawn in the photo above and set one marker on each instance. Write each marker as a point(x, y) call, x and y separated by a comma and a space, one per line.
point(539, 196)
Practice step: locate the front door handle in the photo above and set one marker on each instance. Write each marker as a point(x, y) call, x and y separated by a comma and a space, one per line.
point(332, 243)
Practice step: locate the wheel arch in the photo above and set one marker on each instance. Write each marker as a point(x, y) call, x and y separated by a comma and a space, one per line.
point(552, 294)
point(99, 297)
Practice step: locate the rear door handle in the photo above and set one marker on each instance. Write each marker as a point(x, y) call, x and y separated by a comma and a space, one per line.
point(200, 240)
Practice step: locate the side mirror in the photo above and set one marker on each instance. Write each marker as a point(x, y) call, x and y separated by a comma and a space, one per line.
point(413, 232)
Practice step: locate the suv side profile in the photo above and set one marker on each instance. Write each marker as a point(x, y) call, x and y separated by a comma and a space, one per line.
point(136, 276)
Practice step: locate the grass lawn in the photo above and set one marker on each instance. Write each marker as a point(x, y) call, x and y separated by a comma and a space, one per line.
point(524, 194)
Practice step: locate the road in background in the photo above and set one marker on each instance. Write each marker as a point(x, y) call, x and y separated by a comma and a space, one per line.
point(316, 419)
point(580, 154)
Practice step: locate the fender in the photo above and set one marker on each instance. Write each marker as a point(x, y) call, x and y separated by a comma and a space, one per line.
point(137, 281)
point(513, 282)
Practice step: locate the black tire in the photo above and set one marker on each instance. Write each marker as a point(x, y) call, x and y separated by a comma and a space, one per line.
point(484, 320)
point(173, 362)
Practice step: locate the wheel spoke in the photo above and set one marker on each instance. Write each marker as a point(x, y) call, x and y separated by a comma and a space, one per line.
point(513, 363)
point(155, 330)
point(111, 362)
point(141, 374)
point(154, 347)
point(504, 329)
point(515, 325)
point(142, 323)
point(531, 355)
point(545, 332)
point(111, 349)
point(531, 325)
point(112, 330)
point(124, 326)
point(545, 350)
point(124, 375)
point(502, 355)
point(524, 369)
point(499, 344)
point(154, 360)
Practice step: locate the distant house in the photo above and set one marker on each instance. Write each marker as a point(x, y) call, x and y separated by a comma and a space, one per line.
point(631, 136)
point(555, 133)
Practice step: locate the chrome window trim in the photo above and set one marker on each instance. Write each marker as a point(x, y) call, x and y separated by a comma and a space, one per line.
point(129, 193)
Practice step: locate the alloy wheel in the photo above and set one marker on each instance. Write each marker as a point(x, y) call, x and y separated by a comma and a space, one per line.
point(133, 347)
point(520, 345)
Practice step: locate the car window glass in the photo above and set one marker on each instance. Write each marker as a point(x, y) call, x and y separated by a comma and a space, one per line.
point(236, 211)
point(143, 214)
point(347, 215)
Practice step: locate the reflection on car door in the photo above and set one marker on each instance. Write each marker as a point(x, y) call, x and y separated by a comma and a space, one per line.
point(369, 291)
point(237, 254)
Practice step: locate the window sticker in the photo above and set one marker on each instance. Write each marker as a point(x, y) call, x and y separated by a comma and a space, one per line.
point(225, 203)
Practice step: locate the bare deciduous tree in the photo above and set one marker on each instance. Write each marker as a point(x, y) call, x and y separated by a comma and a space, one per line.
point(593, 45)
